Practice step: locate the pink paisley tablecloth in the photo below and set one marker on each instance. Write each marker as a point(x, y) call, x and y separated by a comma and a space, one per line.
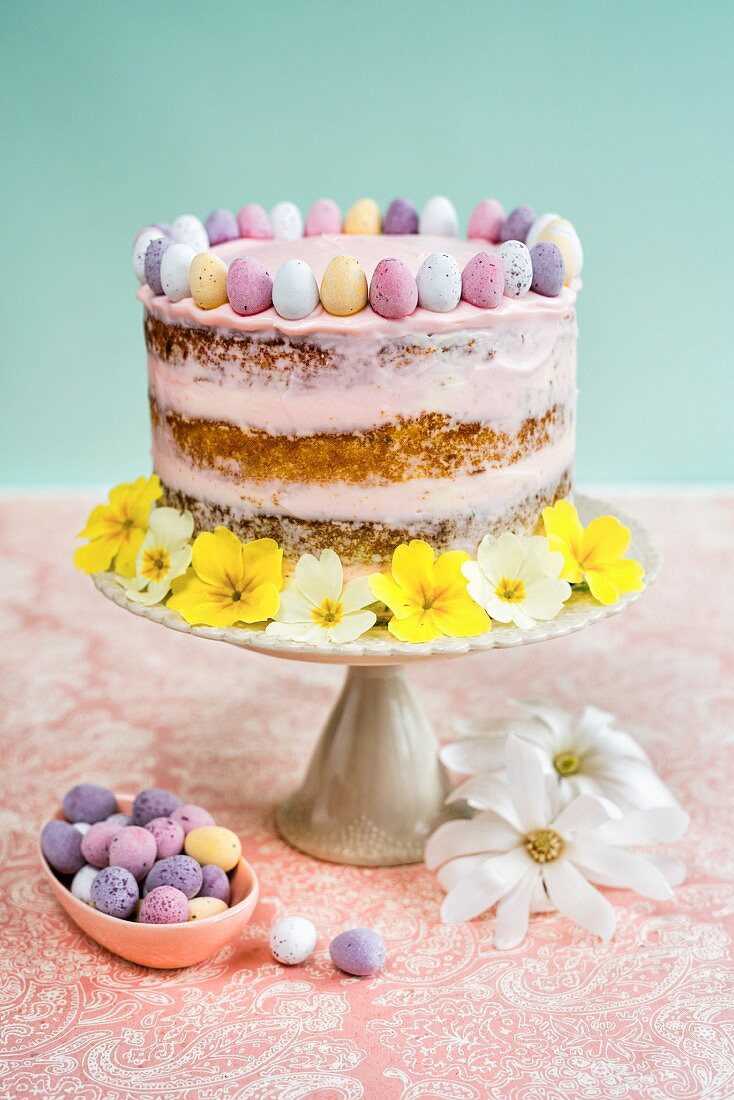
point(90, 692)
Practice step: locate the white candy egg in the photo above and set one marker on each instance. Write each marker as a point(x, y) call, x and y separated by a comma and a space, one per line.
point(140, 248)
point(538, 226)
point(189, 229)
point(518, 268)
point(81, 884)
point(439, 218)
point(439, 283)
point(295, 290)
point(287, 221)
point(292, 940)
point(175, 271)
point(82, 827)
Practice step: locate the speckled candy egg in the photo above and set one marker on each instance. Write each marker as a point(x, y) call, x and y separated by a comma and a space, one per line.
point(344, 287)
point(213, 844)
point(201, 908)
point(164, 905)
point(323, 217)
point(115, 892)
point(183, 872)
point(214, 883)
point(439, 218)
point(360, 951)
point(81, 884)
point(562, 234)
point(483, 280)
point(153, 260)
point(518, 268)
point(96, 842)
point(168, 835)
point(517, 223)
point(133, 848)
point(541, 222)
point(191, 817)
point(439, 283)
point(174, 271)
point(140, 247)
point(154, 802)
point(189, 229)
point(393, 290)
point(401, 218)
point(292, 940)
point(254, 223)
point(208, 278)
point(363, 217)
point(120, 819)
point(221, 226)
point(249, 287)
point(287, 221)
point(486, 221)
point(88, 802)
point(61, 844)
point(295, 290)
point(548, 270)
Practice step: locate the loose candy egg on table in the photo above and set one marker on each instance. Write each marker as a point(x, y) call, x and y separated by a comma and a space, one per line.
point(140, 247)
point(287, 221)
point(563, 235)
point(363, 217)
point(202, 907)
point(344, 287)
point(191, 817)
point(174, 271)
point(221, 226)
point(214, 883)
point(164, 905)
point(208, 277)
point(254, 223)
point(213, 844)
point(539, 225)
point(81, 884)
point(324, 216)
point(115, 892)
point(393, 289)
point(401, 218)
point(295, 290)
point(439, 283)
point(518, 268)
point(517, 224)
point(249, 286)
point(292, 940)
point(189, 229)
point(153, 260)
point(61, 844)
point(96, 842)
point(153, 802)
point(483, 281)
point(182, 871)
point(360, 952)
point(548, 270)
point(168, 835)
point(88, 802)
point(439, 218)
point(486, 221)
point(135, 849)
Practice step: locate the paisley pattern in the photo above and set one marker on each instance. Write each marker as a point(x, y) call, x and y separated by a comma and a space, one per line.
point(87, 691)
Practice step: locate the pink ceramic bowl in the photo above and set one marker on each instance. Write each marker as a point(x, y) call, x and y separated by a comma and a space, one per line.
point(162, 945)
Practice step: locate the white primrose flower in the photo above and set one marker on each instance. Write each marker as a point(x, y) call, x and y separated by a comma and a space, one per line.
point(523, 853)
point(316, 606)
point(164, 553)
point(516, 580)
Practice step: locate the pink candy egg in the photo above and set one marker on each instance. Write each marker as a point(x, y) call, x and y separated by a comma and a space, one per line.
point(96, 842)
point(486, 221)
point(254, 222)
point(135, 849)
point(164, 905)
point(323, 217)
point(483, 281)
point(168, 835)
point(192, 817)
point(249, 287)
point(393, 290)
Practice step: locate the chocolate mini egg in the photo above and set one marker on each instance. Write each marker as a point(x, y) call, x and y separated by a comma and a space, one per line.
point(517, 224)
point(213, 844)
point(190, 230)
point(486, 221)
point(201, 908)
point(439, 218)
point(292, 940)
point(61, 844)
point(439, 283)
point(81, 884)
point(174, 271)
point(548, 269)
point(393, 289)
point(191, 817)
point(168, 835)
point(183, 872)
point(483, 280)
point(249, 287)
point(295, 290)
point(214, 883)
point(96, 842)
point(88, 802)
point(208, 278)
point(115, 892)
point(164, 905)
point(221, 226)
point(287, 221)
point(401, 218)
point(324, 216)
point(518, 268)
point(120, 819)
point(82, 827)
point(562, 234)
point(133, 848)
point(140, 247)
point(153, 802)
point(542, 222)
point(344, 287)
point(360, 951)
point(363, 217)
point(254, 223)
point(153, 260)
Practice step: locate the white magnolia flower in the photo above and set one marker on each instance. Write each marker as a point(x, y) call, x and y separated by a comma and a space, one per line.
point(585, 756)
point(165, 553)
point(522, 854)
point(316, 606)
point(516, 580)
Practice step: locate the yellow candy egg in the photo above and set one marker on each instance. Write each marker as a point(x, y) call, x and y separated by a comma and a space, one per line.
point(208, 278)
point(214, 844)
point(562, 234)
point(363, 217)
point(344, 287)
point(201, 908)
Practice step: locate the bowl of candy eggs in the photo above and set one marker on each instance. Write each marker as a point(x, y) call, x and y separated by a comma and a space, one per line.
point(148, 877)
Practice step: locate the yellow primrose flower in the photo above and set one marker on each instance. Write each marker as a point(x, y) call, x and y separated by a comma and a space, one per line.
point(116, 529)
point(593, 554)
point(229, 581)
point(428, 597)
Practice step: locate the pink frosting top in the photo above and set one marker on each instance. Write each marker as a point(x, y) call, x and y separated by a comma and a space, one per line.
point(318, 251)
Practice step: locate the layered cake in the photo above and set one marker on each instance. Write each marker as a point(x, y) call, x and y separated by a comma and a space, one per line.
point(358, 432)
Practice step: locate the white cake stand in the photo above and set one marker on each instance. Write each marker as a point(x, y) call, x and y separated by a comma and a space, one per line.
point(375, 788)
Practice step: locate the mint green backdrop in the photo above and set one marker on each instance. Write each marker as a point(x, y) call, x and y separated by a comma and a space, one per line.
point(619, 115)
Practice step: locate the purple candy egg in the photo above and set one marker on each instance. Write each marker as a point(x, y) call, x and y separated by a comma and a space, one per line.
point(61, 844)
point(483, 280)
point(359, 951)
point(253, 222)
point(168, 835)
point(393, 290)
point(153, 257)
point(214, 883)
point(164, 905)
point(192, 817)
point(221, 226)
point(401, 218)
point(517, 223)
point(249, 287)
point(96, 842)
point(549, 270)
point(486, 221)
point(324, 216)
point(183, 872)
point(115, 892)
point(153, 802)
point(135, 849)
point(88, 802)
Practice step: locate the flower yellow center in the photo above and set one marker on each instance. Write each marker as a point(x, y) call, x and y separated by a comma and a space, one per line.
point(155, 563)
point(328, 613)
point(566, 763)
point(510, 591)
point(543, 845)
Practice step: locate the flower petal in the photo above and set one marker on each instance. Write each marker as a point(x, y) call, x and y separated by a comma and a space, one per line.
point(513, 912)
point(526, 784)
point(259, 604)
point(352, 626)
point(128, 551)
point(262, 562)
point(412, 570)
point(671, 868)
point(656, 825)
point(573, 896)
point(217, 559)
point(396, 598)
point(97, 556)
point(357, 594)
point(603, 541)
point(457, 869)
point(420, 626)
point(583, 813)
point(475, 754)
point(320, 578)
point(294, 607)
point(449, 582)
point(611, 866)
point(608, 582)
point(460, 617)
point(487, 792)
point(487, 884)
point(483, 833)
